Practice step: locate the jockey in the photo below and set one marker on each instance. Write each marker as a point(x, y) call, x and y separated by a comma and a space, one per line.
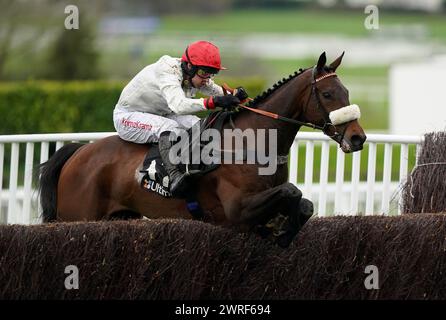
point(158, 101)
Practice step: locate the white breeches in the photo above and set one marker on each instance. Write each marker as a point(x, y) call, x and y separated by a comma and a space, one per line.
point(141, 127)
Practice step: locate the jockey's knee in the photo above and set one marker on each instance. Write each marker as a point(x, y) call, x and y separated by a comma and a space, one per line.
point(185, 120)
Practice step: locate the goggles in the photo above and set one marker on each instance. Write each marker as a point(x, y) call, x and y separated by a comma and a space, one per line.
point(203, 74)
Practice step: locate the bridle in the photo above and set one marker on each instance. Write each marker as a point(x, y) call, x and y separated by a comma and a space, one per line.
point(314, 91)
point(327, 121)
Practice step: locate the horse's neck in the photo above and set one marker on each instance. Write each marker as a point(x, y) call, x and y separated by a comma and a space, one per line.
point(285, 102)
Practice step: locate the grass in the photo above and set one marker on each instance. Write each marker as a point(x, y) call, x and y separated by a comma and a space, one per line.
point(273, 21)
point(350, 23)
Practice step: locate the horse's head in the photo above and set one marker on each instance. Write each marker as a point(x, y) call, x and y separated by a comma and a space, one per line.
point(327, 105)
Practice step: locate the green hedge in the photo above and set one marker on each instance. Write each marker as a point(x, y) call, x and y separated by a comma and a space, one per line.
point(46, 107)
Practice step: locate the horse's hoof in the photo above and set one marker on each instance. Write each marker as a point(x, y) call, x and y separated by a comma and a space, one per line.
point(284, 240)
point(306, 210)
point(263, 231)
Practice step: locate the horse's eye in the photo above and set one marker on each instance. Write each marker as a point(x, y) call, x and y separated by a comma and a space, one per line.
point(326, 94)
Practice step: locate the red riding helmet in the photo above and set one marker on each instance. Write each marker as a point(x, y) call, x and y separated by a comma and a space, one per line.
point(203, 53)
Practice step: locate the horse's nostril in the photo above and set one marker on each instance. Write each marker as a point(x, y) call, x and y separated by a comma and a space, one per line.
point(357, 140)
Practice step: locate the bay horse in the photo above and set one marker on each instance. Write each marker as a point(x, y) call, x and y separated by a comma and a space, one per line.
point(96, 181)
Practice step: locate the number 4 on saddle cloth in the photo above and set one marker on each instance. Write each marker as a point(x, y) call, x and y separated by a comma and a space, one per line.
point(154, 178)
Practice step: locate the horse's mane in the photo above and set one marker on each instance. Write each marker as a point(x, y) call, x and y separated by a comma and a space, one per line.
point(276, 86)
point(253, 103)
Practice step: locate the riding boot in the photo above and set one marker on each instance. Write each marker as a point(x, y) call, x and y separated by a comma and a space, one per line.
point(176, 177)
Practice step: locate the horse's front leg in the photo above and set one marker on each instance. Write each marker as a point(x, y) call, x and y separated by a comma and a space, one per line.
point(299, 213)
point(260, 208)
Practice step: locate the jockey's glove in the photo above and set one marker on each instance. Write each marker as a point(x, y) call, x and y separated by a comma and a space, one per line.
point(225, 102)
point(241, 93)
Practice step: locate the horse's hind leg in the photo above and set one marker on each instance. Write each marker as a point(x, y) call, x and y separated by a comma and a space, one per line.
point(79, 204)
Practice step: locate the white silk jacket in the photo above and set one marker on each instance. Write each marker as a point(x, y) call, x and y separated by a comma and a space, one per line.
point(157, 89)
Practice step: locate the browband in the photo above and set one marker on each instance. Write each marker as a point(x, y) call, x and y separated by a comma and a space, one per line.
point(331, 74)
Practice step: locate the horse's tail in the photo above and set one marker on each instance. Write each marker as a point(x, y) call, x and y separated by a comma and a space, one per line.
point(49, 177)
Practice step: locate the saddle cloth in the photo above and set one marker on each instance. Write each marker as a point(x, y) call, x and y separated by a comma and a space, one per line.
point(152, 174)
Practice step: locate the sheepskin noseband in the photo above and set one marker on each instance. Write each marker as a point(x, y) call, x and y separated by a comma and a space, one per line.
point(345, 114)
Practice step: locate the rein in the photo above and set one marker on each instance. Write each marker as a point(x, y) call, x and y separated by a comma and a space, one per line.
point(290, 120)
point(279, 117)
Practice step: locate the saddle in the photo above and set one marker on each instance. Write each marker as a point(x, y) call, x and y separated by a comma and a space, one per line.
point(153, 176)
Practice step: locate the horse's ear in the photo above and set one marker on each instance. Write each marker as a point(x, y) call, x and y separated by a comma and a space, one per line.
point(321, 62)
point(335, 64)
